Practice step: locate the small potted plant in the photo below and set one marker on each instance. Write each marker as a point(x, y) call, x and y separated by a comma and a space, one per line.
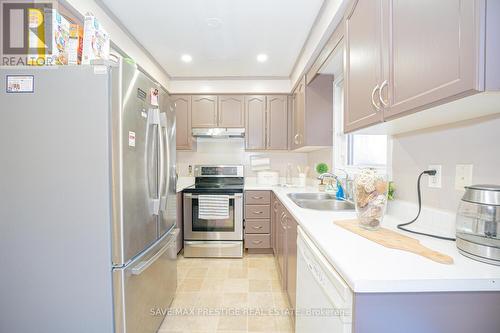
point(322, 168)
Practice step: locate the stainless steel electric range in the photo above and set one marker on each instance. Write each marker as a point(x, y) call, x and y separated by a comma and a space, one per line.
point(214, 237)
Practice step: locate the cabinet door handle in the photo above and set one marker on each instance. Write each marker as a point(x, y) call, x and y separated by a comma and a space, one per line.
point(257, 198)
point(257, 227)
point(257, 242)
point(380, 92)
point(375, 105)
point(296, 139)
point(259, 212)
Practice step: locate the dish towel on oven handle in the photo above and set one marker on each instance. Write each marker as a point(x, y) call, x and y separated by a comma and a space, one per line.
point(213, 207)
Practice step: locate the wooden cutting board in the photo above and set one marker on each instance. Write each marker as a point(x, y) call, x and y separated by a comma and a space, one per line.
point(394, 240)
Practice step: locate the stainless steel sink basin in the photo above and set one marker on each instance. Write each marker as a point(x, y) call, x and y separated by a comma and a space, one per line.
point(320, 201)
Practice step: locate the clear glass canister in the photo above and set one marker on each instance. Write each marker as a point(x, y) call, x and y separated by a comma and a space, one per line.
point(370, 198)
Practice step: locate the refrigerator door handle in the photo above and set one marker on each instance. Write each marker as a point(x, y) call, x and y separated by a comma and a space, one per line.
point(165, 148)
point(161, 178)
point(154, 119)
point(145, 264)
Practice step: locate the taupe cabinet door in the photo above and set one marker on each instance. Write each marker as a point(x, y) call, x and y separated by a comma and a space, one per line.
point(404, 56)
point(277, 122)
point(183, 136)
point(299, 116)
point(281, 245)
point(362, 64)
point(291, 260)
point(285, 248)
point(231, 111)
point(204, 111)
point(432, 52)
point(274, 221)
point(255, 131)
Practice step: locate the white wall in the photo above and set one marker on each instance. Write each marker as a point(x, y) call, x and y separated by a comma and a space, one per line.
point(474, 142)
point(221, 86)
point(232, 151)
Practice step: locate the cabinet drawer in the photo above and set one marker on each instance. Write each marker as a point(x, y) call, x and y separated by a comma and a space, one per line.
point(257, 197)
point(257, 211)
point(258, 241)
point(257, 226)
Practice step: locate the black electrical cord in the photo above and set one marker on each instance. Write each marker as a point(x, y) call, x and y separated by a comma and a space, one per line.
point(419, 193)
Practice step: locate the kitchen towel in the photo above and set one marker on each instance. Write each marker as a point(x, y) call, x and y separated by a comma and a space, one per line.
point(213, 207)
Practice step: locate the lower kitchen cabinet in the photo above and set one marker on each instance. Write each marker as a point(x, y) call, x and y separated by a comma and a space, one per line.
point(258, 226)
point(291, 259)
point(285, 248)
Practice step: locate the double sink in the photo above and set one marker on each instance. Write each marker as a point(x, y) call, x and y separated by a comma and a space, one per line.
point(320, 201)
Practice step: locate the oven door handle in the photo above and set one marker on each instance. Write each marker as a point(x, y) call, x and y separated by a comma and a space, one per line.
point(194, 196)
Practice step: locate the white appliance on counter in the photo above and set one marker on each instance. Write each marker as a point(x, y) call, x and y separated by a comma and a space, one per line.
point(87, 200)
point(268, 178)
point(324, 300)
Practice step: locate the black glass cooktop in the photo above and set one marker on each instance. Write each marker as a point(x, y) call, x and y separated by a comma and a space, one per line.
point(217, 185)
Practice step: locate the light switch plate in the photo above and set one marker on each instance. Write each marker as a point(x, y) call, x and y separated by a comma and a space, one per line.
point(463, 176)
point(435, 181)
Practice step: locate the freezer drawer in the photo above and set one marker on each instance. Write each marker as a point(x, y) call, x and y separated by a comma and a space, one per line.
point(145, 288)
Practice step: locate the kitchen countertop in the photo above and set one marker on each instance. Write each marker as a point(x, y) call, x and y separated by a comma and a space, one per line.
point(368, 267)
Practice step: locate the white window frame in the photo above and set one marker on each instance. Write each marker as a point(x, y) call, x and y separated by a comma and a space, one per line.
point(340, 147)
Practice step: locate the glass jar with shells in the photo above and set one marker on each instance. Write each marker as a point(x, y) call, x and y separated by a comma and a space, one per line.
point(370, 198)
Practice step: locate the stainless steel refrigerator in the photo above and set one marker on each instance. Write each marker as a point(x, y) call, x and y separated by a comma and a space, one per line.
point(87, 200)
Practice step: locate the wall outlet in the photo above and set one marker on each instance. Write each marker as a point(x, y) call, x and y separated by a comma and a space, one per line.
point(463, 176)
point(435, 181)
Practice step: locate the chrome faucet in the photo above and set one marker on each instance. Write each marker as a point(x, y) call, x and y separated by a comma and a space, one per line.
point(345, 186)
point(326, 175)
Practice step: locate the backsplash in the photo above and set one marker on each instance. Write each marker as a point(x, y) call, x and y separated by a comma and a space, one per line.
point(232, 151)
point(471, 142)
point(323, 155)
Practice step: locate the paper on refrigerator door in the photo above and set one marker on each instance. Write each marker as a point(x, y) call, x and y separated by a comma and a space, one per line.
point(154, 96)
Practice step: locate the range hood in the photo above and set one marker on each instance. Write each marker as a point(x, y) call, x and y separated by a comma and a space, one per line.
point(218, 132)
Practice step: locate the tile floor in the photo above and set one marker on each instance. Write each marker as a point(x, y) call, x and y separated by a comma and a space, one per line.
point(228, 295)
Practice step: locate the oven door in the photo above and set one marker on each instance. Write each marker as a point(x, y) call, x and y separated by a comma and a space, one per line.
point(201, 229)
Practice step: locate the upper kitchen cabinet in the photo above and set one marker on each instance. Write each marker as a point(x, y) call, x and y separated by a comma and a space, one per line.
point(204, 111)
point(432, 53)
point(312, 115)
point(266, 122)
point(298, 114)
point(422, 60)
point(363, 35)
point(182, 104)
point(255, 131)
point(231, 111)
point(277, 122)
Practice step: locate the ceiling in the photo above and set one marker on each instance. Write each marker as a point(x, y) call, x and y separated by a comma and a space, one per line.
point(223, 37)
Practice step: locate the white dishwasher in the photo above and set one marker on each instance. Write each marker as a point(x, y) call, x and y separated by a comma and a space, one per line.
point(324, 300)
